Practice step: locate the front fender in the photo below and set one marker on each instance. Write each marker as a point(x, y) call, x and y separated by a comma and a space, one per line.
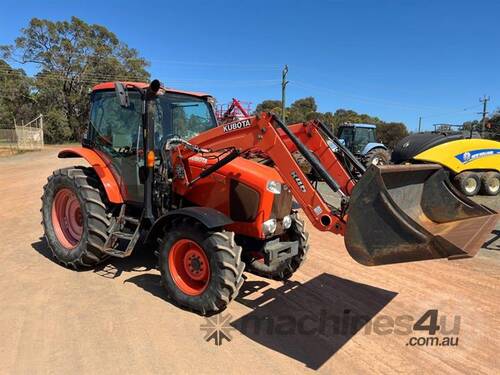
point(371, 146)
point(209, 217)
point(101, 168)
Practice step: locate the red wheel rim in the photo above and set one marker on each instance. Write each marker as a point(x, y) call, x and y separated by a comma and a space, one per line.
point(189, 267)
point(67, 218)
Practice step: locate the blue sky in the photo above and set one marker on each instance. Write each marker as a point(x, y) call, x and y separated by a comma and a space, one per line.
point(397, 60)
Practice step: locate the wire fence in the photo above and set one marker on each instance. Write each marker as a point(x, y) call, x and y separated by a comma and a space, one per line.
point(22, 137)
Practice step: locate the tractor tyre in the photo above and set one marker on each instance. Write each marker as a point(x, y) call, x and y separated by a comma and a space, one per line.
point(468, 183)
point(285, 269)
point(201, 269)
point(490, 183)
point(377, 156)
point(74, 216)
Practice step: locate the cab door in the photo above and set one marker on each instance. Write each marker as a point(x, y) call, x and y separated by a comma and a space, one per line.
point(115, 134)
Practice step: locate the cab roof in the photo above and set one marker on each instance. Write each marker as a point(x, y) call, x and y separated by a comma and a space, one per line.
point(143, 85)
point(355, 125)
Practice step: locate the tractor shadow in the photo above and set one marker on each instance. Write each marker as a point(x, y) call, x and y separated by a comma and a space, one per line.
point(494, 242)
point(141, 260)
point(309, 321)
point(42, 247)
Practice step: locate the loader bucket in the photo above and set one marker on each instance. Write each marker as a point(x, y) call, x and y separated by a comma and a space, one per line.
point(405, 213)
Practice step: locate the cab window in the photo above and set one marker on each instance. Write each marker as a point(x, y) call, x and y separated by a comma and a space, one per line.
point(113, 127)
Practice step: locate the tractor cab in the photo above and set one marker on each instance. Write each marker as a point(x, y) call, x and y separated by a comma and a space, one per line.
point(115, 131)
point(357, 136)
point(361, 140)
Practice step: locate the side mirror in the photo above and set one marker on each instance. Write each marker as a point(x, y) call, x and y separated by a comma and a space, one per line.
point(122, 94)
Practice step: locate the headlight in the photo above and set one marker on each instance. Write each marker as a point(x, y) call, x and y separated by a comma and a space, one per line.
point(287, 222)
point(274, 186)
point(269, 226)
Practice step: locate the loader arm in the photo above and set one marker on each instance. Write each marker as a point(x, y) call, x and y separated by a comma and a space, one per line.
point(266, 134)
point(391, 214)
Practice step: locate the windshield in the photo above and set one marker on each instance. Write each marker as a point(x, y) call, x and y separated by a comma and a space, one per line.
point(182, 116)
point(356, 138)
point(362, 138)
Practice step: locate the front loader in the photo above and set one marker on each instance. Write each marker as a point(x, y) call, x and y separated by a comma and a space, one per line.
point(163, 174)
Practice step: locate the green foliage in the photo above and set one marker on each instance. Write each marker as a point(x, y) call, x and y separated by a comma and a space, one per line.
point(306, 109)
point(72, 57)
point(269, 106)
point(493, 129)
point(389, 133)
point(56, 127)
point(16, 99)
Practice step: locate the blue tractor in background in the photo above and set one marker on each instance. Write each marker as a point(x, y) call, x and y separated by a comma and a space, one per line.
point(360, 139)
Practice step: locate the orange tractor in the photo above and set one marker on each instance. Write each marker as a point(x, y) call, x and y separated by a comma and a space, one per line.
point(162, 173)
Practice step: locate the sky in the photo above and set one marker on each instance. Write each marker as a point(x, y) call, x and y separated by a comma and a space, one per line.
point(396, 60)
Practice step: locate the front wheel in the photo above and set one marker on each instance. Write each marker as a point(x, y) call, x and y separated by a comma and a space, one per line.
point(377, 156)
point(200, 269)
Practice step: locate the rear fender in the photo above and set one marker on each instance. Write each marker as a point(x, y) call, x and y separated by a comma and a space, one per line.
point(101, 168)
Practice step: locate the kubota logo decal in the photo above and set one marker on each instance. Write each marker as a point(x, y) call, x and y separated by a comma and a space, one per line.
point(469, 156)
point(236, 126)
point(299, 182)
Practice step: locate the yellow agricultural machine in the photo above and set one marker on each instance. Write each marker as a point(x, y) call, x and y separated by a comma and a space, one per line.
point(473, 163)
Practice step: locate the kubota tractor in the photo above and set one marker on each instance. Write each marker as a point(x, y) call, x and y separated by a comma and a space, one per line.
point(164, 174)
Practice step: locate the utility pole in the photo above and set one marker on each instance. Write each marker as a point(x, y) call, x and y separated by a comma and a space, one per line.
point(419, 123)
point(284, 82)
point(484, 100)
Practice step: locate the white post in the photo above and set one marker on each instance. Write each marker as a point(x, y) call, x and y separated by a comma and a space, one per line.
point(41, 129)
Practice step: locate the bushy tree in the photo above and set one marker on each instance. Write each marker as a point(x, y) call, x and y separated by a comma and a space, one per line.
point(72, 57)
point(306, 109)
point(269, 106)
point(493, 126)
point(17, 101)
point(389, 133)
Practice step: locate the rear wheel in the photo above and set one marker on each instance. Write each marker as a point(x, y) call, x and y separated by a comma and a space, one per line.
point(490, 183)
point(285, 269)
point(200, 269)
point(377, 156)
point(75, 217)
point(468, 183)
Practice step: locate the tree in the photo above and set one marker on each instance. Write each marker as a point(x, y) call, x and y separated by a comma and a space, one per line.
point(72, 57)
point(390, 133)
point(306, 109)
point(17, 103)
point(268, 106)
point(301, 110)
point(493, 126)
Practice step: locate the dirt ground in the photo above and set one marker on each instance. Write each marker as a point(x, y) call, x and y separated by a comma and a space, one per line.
point(116, 319)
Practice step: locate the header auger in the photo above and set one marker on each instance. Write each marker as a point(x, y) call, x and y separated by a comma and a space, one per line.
point(164, 174)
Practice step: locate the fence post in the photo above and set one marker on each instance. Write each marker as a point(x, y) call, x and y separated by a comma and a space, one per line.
point(41, 129)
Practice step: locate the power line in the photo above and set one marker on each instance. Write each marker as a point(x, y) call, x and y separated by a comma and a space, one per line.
point(451, 112)
point(360, 98)
point(100, 77)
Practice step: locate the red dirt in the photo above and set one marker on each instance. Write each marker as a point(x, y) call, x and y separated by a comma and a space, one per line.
point(116, 319)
